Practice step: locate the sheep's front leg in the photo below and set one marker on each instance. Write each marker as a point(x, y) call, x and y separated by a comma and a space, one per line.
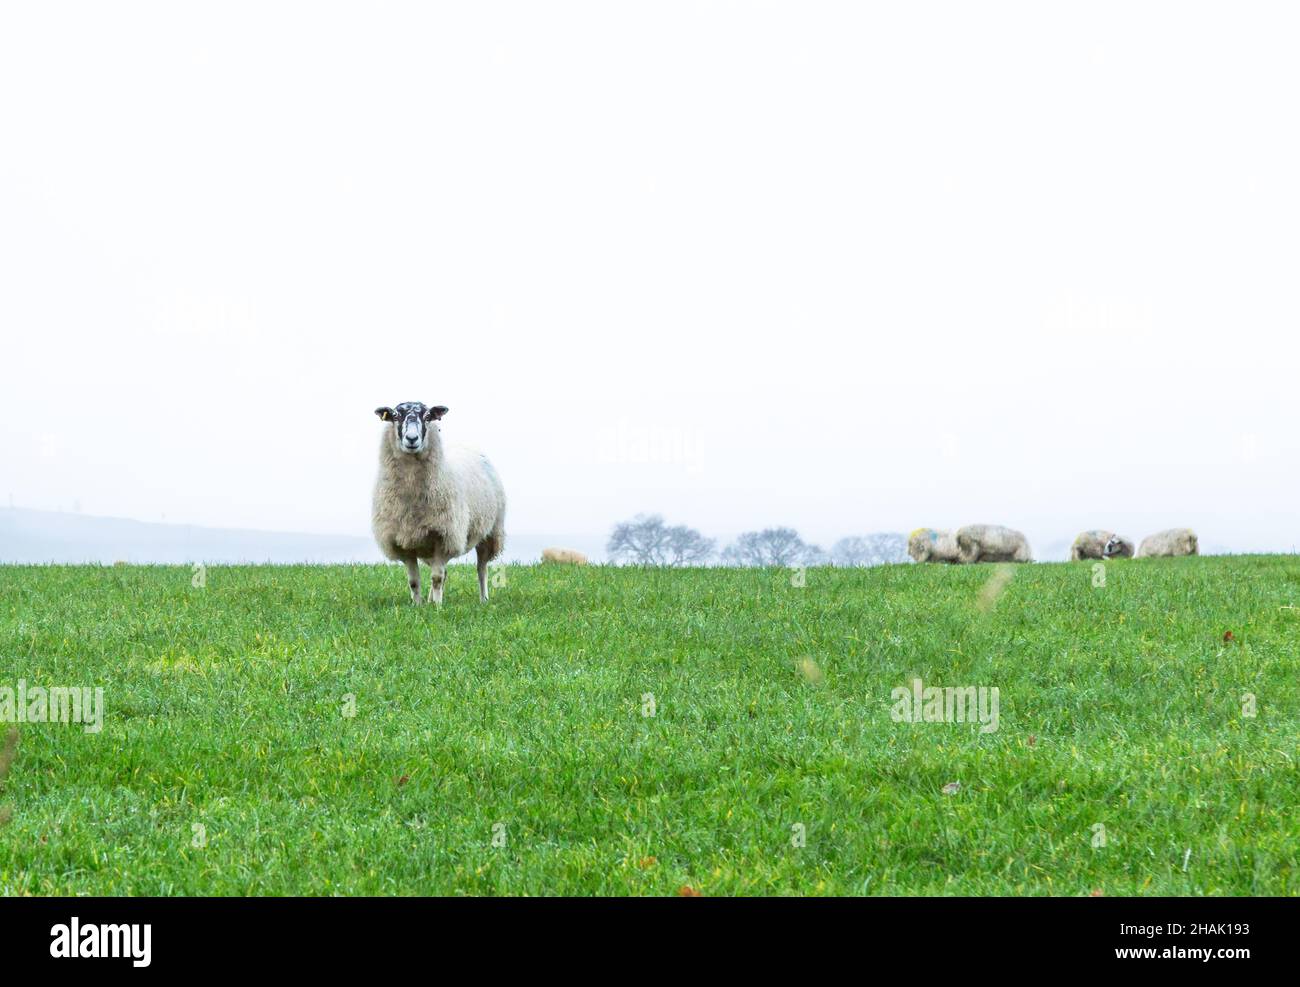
point(413, 579)
point(437, 575)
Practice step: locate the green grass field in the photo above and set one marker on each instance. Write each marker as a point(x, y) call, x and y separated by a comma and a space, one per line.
point(1120, 706)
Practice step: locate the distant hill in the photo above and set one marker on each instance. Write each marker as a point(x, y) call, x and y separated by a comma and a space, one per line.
point(28, 536)
point(49, 536)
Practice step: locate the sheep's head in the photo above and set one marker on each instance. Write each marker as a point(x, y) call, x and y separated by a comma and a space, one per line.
point(1117, 546)
point(920, 544)
point(410, 425)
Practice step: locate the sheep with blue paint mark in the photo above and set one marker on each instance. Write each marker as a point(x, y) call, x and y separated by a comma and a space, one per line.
point(930, 545)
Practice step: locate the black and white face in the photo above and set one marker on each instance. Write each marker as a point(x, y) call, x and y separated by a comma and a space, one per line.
point(1112, 546)
point(411, 421)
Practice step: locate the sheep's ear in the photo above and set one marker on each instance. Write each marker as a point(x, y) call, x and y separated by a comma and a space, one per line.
point(436, 412)
point(385, 413)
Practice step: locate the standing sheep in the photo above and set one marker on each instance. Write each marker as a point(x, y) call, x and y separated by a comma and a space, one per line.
point(991, 543)
point(1175, 541)
point(1097, 544)
point(929, 545)
point(434, 503)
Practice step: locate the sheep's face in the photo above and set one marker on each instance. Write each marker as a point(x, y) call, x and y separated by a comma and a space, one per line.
point(410, 423)
point(920, 545)
point(1117, 546)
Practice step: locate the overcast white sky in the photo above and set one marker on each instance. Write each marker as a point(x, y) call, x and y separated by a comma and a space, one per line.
point(846, 267)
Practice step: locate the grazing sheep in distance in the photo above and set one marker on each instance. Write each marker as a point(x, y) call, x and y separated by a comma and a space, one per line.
point(991, 543)
point(434, 502)
point(1098, 544)
point(565, 555)
point(1175, 541)
point(929, 545)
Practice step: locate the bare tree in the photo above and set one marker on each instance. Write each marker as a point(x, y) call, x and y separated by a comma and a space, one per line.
point(641, 541)
point(815, 555)
point(646, 540)
point(851, 551)
point(769, 547)
point(686, 546)
point(878, 549)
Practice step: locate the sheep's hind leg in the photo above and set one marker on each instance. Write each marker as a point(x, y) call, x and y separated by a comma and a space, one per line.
point(413, 579)
point(484, 554)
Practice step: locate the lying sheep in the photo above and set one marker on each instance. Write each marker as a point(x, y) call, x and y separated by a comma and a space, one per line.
point(433, 503)
point(1097, 544)
point(929, 545)
point(1175, 541)
point(991, 543)
point(566, 555)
